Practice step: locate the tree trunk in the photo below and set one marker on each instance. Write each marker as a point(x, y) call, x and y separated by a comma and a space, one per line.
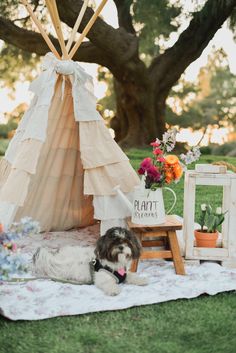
point(140, 115)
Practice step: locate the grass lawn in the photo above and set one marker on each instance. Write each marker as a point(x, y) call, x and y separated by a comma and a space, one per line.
point(202, 325)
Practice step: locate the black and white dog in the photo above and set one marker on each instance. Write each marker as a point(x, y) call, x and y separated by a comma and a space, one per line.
point(106, 266)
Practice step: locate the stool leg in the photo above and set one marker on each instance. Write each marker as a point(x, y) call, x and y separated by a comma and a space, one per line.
point(174, 246)
point(134, 266)
point(167, 246)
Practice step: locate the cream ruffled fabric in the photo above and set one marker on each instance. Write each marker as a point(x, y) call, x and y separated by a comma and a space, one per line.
point(102, 180)
point(5, 168)
point(45, 180)
point(97, 146)
point(55, 165)
point(104, 162)
point(55, 196)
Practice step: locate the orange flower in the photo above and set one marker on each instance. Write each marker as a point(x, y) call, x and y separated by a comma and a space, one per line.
point(171, 159)
point(178, 170)
point(168, 176)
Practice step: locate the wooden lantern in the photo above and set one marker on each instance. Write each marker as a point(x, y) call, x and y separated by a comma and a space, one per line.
point(225, 252)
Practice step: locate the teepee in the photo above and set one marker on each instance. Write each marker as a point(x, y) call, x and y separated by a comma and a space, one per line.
point(62, 164)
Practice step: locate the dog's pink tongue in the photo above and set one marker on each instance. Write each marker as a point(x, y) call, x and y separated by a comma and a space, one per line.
point(121, 271)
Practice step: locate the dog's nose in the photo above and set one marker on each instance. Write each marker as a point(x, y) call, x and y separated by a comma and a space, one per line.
point(121, 247)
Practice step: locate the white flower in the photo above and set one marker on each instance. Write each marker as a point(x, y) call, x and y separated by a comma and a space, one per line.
point(203, 207)
point(169, 136)
point(165, 138)
point(191, 156)
point(170, 147)
point(196, 152)
point(218, 210)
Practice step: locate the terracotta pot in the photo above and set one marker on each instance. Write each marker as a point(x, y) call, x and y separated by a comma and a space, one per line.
point(205, 240)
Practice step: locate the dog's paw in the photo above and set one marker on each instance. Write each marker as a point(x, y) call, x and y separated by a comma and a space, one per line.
point(142, 281)
point(112, 291)
point(134, 278)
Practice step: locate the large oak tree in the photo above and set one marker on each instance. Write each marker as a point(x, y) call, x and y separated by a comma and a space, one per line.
point(141, 89)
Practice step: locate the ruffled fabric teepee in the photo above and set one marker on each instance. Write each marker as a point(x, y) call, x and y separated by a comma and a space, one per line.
point(62, 164)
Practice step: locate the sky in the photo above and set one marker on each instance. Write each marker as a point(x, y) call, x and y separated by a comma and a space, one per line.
point(222, 39)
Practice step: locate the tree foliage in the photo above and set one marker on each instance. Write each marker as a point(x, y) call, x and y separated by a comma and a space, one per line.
point(16, 65)
point(213, 100)
point(153, 30)
point(138, 53)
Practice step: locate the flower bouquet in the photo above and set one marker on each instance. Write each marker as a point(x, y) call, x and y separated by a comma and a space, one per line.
point(157, 172)
point(11, 261)
point(164, 168)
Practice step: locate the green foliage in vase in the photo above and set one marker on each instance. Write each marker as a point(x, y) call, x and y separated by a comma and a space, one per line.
point(210, 220)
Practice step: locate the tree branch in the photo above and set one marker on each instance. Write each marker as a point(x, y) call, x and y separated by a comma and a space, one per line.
point(167, 68)
point(33, 42)
point(124, 17)
point(109, 47)
point(22, 19)
point(116, 44)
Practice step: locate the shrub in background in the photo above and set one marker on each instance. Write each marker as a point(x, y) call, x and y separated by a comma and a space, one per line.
point(224, 150)
point(206, 150)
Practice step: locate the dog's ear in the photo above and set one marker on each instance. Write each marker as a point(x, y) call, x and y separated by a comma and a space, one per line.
point(136, 245)
point(115, 232)
point(110, 232)
point(100, 250)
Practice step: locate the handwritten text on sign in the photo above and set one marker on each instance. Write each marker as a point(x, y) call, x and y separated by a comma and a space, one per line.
point(144, 209)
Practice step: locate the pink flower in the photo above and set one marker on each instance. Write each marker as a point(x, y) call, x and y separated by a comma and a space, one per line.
point(157, 151)
point(141, 171)
point(154, 144)
point(146, 163)
point(154, 173)
point(161, 159)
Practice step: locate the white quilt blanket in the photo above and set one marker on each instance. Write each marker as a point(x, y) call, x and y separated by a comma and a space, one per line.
point(41, 299)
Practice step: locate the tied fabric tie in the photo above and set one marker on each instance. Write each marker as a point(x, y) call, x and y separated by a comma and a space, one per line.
point(63, 87)
point(65, 68)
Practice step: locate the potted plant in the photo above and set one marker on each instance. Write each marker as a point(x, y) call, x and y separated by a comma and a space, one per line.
point(210, 222)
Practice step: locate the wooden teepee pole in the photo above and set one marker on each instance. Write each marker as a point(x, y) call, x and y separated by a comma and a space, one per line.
point(87, 28)
point(52, 8)
point(77, 24)
point(40, 28)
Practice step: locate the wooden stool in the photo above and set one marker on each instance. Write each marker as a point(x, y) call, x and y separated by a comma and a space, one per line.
point(167, 234)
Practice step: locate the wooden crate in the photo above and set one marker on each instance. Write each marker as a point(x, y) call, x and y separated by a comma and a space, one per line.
point(226, 250)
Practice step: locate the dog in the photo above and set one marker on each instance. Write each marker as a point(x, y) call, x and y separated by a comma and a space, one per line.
point(106, 266)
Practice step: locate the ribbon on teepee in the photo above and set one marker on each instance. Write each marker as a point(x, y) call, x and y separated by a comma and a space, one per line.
point(84, 100)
